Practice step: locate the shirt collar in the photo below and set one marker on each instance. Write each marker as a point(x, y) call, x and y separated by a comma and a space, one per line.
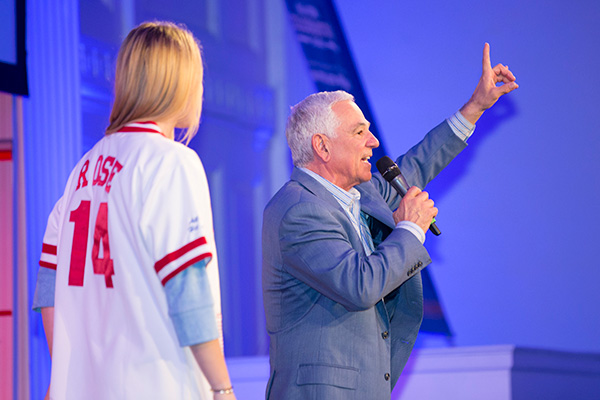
point(346, 198)
point(146, 126)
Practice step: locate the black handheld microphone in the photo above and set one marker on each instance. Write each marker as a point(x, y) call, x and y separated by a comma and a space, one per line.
point(391, 173)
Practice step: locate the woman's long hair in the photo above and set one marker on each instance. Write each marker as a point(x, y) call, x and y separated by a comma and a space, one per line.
point(159, 76)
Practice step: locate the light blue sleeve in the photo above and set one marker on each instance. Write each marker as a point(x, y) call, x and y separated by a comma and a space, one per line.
point(44, 289)
point(191, 305)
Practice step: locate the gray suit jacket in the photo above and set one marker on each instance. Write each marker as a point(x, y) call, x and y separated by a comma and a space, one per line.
point(332, 335)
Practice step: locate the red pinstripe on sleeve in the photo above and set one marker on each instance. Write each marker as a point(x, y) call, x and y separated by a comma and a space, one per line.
point(178, 260)
point(48, 258)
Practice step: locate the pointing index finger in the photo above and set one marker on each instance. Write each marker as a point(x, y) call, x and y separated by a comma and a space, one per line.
point(487, 64)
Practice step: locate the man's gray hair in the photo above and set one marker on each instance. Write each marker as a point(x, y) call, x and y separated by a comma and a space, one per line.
point(312, 115)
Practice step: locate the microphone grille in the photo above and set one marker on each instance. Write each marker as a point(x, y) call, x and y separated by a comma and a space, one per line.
point(387, 168)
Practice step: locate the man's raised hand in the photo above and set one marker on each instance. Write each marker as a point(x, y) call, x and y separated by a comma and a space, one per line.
point(493, 84)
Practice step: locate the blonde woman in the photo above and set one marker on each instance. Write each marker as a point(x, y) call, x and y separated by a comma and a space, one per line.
point(135, 308)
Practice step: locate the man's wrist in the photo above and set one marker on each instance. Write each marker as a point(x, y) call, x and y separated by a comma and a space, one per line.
point(412, 228)
point(471, 111)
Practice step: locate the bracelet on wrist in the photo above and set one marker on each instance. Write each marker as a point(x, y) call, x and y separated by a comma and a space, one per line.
point(228, 390)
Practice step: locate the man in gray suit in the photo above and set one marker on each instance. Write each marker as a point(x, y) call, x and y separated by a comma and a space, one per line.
point(341, 270)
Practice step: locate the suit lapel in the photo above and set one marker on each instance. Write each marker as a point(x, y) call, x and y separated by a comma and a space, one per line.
point(381, 221)
point(317, 189)
point(314, 187)
point(374, 205)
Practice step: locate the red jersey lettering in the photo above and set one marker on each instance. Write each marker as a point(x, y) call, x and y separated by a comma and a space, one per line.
point(82, 180)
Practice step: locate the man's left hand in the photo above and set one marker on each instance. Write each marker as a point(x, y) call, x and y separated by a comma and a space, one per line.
point(487, 92)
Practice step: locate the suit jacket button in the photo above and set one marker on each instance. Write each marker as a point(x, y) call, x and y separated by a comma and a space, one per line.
point(385, 334)
point(386, 376)
point(420, 263)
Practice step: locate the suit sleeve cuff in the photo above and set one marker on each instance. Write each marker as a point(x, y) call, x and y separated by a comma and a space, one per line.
point(413, 228)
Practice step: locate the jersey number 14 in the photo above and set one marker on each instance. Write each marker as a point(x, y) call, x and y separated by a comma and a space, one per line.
point(102, 266)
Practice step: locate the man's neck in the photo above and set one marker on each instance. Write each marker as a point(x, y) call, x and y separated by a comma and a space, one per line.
point(325, 173)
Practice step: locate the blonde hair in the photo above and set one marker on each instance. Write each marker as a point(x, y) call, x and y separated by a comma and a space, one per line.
point(159, 76)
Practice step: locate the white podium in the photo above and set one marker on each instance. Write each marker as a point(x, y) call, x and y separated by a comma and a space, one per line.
point(501, 372)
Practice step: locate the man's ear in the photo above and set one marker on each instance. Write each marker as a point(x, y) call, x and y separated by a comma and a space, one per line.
point(321, 145)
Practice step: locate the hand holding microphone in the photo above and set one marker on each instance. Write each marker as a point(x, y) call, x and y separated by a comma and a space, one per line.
point(415, 205)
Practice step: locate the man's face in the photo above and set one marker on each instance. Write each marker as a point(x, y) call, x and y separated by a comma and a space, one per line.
point(353, 146)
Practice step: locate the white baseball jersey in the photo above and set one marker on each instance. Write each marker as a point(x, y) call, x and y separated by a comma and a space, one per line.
point(135, 212)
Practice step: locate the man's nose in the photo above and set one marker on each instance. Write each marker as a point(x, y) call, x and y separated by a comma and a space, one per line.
point(373, 142)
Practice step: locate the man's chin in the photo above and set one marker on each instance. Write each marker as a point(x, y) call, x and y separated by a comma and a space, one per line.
point(366, 177)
